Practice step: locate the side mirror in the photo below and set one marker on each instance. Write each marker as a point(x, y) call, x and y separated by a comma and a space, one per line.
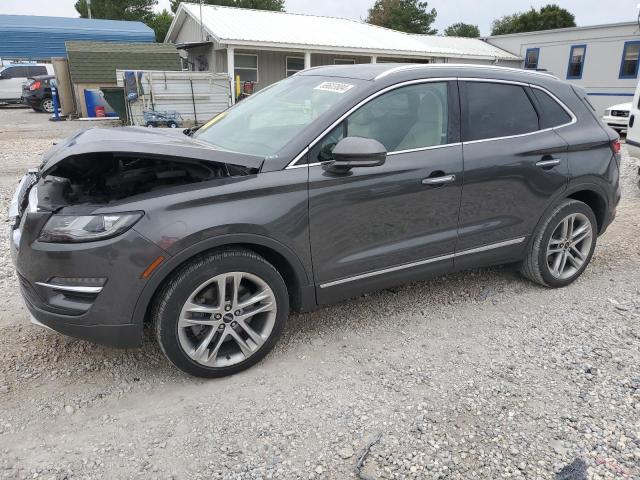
point(353, 152)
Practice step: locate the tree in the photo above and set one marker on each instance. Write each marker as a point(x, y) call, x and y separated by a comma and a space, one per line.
point(136, 10)
point(462, 30)
point(160, 24)
point(547, 18)
point(409, 16)
point(133, 10)
point(277, 5)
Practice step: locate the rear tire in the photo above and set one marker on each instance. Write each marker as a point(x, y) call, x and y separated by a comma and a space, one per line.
point(220, 313)
point(46, 105)
point(562, 245)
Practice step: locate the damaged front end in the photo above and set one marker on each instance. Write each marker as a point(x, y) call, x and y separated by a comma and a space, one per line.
point(106, 177)
point(72, 237)
point(106, 167)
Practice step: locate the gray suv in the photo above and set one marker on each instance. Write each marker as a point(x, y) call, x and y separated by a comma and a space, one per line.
point(334, 182)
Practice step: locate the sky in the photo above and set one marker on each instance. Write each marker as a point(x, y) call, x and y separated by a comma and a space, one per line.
point(481, 13)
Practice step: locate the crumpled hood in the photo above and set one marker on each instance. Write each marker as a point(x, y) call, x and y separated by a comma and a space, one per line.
point(148, 141)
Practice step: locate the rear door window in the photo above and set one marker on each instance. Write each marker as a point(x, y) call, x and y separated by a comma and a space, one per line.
point(37, 70)
point(551, 113)
point(494, 110)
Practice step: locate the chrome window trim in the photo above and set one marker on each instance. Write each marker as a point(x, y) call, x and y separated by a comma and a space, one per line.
point(396, 268)
point(421, 149)
point(429, 66)
point(574, 119)
point(373, 96)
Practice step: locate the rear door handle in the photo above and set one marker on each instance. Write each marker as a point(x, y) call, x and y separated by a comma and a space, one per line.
point(549, 163)
point(439, 180)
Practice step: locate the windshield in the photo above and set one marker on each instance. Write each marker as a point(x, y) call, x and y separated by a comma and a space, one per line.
point(266, 121)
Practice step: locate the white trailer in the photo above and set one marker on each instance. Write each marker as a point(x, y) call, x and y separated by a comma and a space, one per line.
point(196, 96)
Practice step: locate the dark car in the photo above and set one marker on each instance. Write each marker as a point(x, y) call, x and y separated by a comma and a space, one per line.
point(333, 182)
point(36, 93)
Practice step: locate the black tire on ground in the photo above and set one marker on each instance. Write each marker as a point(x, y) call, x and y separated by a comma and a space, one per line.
point(172, 124)
point(46, 105)
point(535, 265)
point(151, 125)
point(172, 296)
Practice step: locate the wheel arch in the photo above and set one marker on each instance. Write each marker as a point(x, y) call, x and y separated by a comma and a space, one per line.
point(594, 199)
point(288, 264)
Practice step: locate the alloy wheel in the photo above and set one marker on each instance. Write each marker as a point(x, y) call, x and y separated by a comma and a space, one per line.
point(569, 246)
point(227, 319)
point(47, 105)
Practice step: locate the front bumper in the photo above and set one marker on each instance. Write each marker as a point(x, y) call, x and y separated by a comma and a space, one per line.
point(616, 122)
point(104, 317)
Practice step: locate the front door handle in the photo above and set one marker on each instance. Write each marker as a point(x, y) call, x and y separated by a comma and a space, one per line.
point(439, 180)
point(548, 163)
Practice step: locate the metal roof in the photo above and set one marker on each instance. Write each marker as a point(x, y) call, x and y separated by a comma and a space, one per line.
point(264, 29)
point(97, 62)
point(35, 37)
point(553, 31)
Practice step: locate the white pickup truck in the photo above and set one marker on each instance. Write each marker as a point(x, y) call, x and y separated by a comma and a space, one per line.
point(13, 76)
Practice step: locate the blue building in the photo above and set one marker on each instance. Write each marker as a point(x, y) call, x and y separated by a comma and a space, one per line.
point(29, 37)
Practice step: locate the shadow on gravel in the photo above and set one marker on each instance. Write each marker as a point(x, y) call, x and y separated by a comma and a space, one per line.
point(575, 471)
point(35, 355)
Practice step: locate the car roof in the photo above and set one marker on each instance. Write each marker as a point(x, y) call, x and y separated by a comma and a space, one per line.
point(376, 71)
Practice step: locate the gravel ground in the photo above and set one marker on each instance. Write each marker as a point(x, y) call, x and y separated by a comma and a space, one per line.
point(476, 375)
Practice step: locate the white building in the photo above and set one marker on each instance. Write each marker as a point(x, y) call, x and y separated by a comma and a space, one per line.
point(264, 47)
point(602, 58)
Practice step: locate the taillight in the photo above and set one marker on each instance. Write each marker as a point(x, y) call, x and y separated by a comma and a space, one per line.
point(615, 146)
point(35, 85)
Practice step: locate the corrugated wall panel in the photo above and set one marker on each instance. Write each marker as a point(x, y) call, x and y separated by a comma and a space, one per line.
point(23, 42)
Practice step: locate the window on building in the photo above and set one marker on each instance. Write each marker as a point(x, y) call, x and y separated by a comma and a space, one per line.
point(531, 58)
point(246, 66)
point(344, 61)
point(629, 65)
point(551, 113)
point(576, 61)
point(294, 64)
point(496, 110)
point(406, 118)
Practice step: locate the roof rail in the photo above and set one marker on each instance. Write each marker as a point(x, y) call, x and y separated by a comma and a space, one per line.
point(402, 68)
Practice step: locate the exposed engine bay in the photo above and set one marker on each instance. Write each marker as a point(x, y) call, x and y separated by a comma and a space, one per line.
point(106, 177)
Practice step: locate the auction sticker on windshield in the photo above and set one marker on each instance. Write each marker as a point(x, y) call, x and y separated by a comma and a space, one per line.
point(336, 87)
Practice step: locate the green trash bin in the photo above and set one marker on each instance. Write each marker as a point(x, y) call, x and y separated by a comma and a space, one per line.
point(115, 97)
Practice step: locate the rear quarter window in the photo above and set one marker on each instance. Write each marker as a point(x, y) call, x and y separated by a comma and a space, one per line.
point(551, 113)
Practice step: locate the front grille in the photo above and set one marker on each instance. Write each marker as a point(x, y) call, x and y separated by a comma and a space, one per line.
point(619, 113)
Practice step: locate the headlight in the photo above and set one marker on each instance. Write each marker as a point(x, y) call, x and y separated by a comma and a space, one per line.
point(607, 113)
point(87, 228)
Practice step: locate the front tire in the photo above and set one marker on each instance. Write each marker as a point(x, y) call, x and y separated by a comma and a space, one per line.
point(562, 245)
point(221, 313)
